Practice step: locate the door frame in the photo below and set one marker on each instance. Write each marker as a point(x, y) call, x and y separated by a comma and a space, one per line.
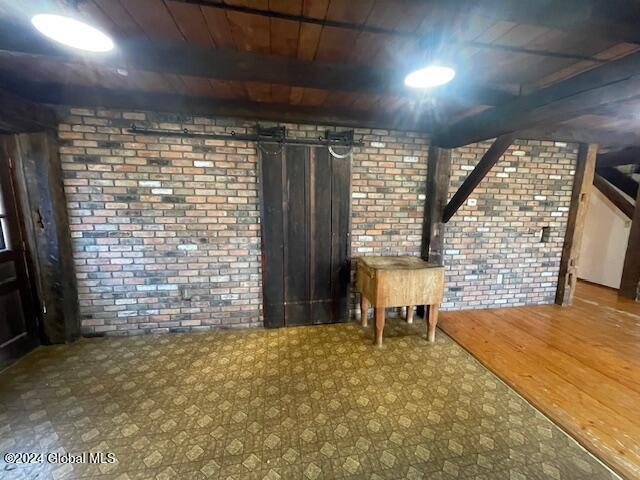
point(21, 254)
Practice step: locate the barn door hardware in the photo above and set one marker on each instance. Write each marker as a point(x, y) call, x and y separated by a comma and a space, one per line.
point(262, 134)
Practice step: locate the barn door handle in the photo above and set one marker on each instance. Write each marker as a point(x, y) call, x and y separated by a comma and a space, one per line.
point(40, 220)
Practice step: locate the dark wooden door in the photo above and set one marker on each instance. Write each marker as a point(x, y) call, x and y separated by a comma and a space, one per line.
point(18, 324)
point(305, 209)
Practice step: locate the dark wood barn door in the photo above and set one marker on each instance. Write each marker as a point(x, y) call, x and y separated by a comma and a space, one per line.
point(305, 208)
point(18, 323)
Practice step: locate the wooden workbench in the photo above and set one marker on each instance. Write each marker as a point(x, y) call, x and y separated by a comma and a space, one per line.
point(399, 282)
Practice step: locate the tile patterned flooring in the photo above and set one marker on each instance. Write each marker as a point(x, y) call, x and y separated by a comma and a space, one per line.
point(310, 402)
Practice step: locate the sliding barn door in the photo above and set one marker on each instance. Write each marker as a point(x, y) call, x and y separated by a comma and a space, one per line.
point(305, 210)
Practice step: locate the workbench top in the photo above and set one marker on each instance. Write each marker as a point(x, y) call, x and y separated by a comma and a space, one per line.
point(405, 262)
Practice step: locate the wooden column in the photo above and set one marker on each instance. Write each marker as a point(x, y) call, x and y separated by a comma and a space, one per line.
point(582, 185)
point(45, 212)
point(630, 281)
point(438, 172)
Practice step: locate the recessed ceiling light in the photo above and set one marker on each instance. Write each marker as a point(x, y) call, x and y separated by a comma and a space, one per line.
point(72, 33)
point(430, 76)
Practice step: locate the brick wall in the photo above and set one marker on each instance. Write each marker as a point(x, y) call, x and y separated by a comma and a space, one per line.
point(166, 230)
point(494, 256)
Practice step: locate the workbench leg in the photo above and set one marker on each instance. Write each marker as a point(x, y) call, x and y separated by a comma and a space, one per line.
point(432, 319)
point(364, 310)
point(409, 313)
point(379, 312)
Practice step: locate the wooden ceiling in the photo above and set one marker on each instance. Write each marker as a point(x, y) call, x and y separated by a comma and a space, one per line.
point(342, 56)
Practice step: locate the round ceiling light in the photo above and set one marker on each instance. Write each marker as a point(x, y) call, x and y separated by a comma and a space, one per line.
point(72, 33)
point(431, 76)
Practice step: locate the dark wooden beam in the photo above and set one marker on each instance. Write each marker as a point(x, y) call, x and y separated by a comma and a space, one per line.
point(630, 281)
point(582, 184)
point(614, 82)
point(56, 94)
point(620, 180)
point(48, 234)
point(486, 163)
point(626, 156)
point(613, 195)
point(21, 115)
point(438, 173)
point(565, 133)
point(234, 65)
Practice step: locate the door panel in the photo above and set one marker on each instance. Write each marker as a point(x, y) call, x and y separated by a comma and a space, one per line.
point(296, 246)
point(320, 249)
point(18, 324)
point(305, 209)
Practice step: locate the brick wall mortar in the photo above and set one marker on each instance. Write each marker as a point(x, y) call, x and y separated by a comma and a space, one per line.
point(166, 230)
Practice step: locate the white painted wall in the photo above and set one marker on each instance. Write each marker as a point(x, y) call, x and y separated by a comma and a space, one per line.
point(604, 242)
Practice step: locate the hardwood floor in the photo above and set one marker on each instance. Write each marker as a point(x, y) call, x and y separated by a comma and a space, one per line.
point(580, 365)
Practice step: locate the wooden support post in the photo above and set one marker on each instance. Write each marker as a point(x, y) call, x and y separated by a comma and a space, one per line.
point(582, 184)
point(438, 172)
point(486, 163)
point(630, 281)
point(48, 234)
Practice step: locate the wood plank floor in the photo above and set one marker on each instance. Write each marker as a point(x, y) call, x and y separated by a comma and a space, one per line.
point(580, 365)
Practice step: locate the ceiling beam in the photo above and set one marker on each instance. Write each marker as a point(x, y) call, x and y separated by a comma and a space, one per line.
point(486, 163)
point(234, 65)
point(614, 82)
point(626, 156)
point(19, 115)
point(57, 94)
point(568, 134)
point(614, 196)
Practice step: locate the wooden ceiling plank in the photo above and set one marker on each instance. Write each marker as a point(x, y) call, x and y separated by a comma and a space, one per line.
point(284, 37)
point(352, 11)
point(250, 33)
point(191, 22)
point(280, 93)
point(120, 17)
point(155, 19)
point(219, 27)
point(100, 19)
point(258, 92)
point(401, 15)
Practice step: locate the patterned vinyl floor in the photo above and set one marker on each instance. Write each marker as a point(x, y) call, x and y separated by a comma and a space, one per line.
point(310, 402)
